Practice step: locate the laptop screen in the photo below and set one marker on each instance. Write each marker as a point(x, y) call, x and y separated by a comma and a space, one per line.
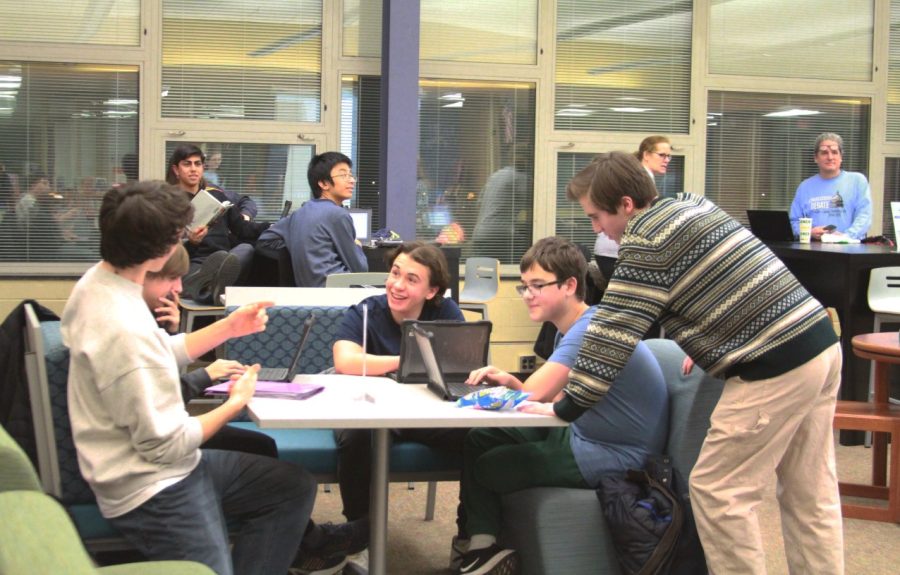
point(771, 225)
point(307, 327)
point(460, 347)
point(362, 223)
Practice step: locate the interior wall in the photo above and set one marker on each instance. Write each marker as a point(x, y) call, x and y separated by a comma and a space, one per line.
point(51, 293)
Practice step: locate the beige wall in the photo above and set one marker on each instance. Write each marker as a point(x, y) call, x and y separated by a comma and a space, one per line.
point(513, 333)
point(49, 292)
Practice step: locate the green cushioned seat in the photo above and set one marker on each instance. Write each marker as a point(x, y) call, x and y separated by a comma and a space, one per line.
point(39, 537)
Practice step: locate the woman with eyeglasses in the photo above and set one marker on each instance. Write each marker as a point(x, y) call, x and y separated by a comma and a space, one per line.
point(655, 152)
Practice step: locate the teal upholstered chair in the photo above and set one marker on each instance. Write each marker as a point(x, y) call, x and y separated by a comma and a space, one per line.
point(47, 366)
point(276, 345)
point(562, 530)
point(315, 449)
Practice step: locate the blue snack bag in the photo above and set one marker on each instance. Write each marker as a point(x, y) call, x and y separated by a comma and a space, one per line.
point(494, 399)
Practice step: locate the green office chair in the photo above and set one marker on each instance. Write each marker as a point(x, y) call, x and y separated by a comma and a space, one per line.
point(39, 537)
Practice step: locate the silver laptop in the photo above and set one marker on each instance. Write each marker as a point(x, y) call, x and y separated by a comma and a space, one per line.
point(288, 373)
point(447, 388)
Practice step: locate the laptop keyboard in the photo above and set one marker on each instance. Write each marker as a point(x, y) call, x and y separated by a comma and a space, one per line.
point(461, 388)
point(272, 374)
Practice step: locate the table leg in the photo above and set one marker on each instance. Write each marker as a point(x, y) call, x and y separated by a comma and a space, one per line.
point(378, 504)
point(879, 440)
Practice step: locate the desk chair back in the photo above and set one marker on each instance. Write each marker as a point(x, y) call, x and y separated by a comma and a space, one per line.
point(482, 282)
point(361, 279)
point(884, 301)
point(884, 294)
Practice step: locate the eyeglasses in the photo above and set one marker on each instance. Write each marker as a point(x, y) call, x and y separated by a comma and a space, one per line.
point(344, 175)
point(663, 156)
point(535, 289)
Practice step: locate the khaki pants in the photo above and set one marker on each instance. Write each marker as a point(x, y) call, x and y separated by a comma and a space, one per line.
point(781, 425)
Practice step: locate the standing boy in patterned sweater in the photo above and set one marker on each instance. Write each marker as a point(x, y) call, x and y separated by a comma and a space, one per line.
point(739, 313)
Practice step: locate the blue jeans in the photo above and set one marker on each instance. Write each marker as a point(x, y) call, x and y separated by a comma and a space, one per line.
point(269, 500)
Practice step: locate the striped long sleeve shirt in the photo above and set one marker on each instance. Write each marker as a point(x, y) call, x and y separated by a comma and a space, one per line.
point(718, 291)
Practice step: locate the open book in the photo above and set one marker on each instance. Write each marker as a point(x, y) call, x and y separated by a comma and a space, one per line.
point(272, 389)
point(206, 209)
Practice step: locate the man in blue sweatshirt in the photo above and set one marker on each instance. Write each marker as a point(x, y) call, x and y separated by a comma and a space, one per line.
point(839, 202)
point(319, 236)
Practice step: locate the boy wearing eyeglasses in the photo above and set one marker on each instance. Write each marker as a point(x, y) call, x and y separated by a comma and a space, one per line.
point(617, 434)
point(319, 236)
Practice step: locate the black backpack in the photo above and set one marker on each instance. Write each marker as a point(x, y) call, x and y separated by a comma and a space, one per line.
point(649, 515)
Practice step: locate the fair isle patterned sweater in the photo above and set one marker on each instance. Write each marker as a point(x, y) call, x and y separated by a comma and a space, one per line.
point(719, 292)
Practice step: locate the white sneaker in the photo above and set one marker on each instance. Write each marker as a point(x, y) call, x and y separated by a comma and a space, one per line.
point(357, 564)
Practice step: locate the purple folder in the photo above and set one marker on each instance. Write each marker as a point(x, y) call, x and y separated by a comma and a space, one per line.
point(273, 389)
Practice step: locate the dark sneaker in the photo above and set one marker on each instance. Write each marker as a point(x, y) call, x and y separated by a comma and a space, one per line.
point(343, 539)
point(226, 276)
point(199, 285)
point(493, 560)
point(458, 548)
point(314, 564)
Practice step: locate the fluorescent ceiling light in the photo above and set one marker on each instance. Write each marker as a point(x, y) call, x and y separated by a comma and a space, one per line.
point(453, 105)
point(631, 110)
point(120, 102)
point(631, 99)
point(456, 96)
point(793, 112)
point(574, 112)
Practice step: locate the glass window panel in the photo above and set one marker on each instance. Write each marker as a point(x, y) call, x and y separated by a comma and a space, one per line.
point(476, 161)
point(571, 223)
point(891, 194)
point(268, 173)
point(623, 66)
point(360, 129)
point(505, 31)
point(893, 86)
point(242, 60)
point(111, 22)
point(759, 147)
point(67, 132)
point(828, 39)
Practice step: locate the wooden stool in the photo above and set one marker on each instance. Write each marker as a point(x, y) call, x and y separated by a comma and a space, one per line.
point(881, 418)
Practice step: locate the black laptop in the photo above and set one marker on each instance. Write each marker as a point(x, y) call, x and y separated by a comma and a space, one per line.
point(288, 373)
point(447, 355)
point(460, 346)
point(771, 225)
